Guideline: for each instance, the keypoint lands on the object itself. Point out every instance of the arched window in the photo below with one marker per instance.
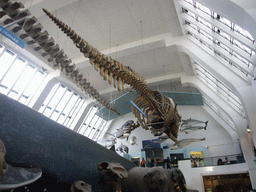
(63, 105)
(19, 79)
(92, 125)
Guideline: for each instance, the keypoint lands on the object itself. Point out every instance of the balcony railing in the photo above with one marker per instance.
(217, 160)
(204, 162)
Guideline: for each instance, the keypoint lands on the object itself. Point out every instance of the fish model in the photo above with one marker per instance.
(123, 148)
(133, 141)
(193, 128)
(125, 130)
(185, 142)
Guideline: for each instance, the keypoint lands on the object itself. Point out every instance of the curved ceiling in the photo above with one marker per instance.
(145, 35)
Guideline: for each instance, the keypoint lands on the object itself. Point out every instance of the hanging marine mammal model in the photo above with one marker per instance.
(122, 148)
(125, 130)
(153, 110)
(191, 125)
(184, 142)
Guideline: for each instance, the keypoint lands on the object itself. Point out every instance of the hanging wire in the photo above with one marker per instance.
(142, 45)
(157, 86)
(31, 2)
(165, 79)
(73, 20)
(132, 17)
(110, 37)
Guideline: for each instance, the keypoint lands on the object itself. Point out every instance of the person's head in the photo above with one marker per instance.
(142, 158)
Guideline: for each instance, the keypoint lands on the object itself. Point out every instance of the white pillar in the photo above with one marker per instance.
(247, 148)
(249, 103)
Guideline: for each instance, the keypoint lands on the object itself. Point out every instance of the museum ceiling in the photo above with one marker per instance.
(138, 34)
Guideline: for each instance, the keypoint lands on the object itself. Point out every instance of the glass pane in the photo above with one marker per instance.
(225, 21)
(6, 61)
(1, 49)
(205, 23)
(14, 95)
(82, 129)
(33, 85)
(72, 109)
(61, 119)
(14, 73)
(25, 78)
(55, 115)
(192, 25)
(189, 1)
(74, 112)
(70, 104)
(243, 32)
(23, 99)
(57, 96)
(64, 100)
(55, 87)
(243, 47)
(203, 8)
(206, 35)
(90, 116)
(47, 112)
(84, 124)
(191, 14)
(98, 123)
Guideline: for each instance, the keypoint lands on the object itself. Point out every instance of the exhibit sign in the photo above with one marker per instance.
(12, 37)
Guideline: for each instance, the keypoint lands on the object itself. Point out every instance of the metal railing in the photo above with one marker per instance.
(217, 160)
(204, 162)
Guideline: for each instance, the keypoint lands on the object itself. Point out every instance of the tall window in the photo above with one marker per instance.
(92, 125)
(19, 79)
(63, 106)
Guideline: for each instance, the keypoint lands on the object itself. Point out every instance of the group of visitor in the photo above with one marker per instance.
(158, 161)
(221, 162)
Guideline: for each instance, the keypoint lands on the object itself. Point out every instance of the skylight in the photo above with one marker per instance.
(237, 52)
(222, 114)
(222, 19)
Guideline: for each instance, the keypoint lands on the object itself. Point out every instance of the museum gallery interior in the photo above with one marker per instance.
(91, 88)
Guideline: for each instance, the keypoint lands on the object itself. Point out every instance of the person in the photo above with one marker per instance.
(194, 163)
(152, 163)
(143, 162)
(159, 161)
(219, 162)
(167, 161)
(226, 160)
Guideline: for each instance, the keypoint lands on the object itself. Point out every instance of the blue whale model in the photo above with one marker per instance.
(33, 139)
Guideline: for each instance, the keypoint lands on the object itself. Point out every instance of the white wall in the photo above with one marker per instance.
(217, 138)
(194, 176)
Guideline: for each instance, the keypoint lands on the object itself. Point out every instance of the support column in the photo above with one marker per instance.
(249, 103)
(247, 148)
